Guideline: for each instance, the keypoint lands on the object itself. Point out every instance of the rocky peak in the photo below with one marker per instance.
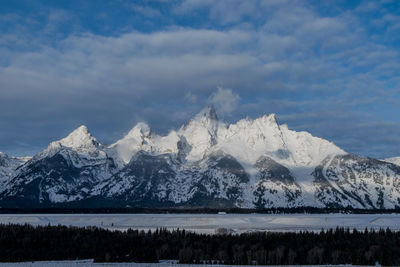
(140, 130)
(205, 117)
(79, 138)
(208, 113)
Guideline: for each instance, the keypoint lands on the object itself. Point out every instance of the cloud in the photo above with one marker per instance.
(190, 97)
(146, 11)
(224, 100)
(280, 57)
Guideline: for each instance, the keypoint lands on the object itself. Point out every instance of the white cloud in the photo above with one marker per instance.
(224, 100)
(190, 97)
(288, 50)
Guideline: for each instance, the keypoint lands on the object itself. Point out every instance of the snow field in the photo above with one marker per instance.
(209, 223)
(87, 263)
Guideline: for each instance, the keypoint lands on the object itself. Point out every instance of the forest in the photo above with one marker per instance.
(334, 246)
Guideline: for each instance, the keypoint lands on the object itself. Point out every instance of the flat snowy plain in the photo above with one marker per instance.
(87, 263)
(208, 223)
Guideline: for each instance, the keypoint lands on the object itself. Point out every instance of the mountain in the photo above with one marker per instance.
(394, 160)
(206, 163)
(351, 180)
(8, 166)
(66, 171)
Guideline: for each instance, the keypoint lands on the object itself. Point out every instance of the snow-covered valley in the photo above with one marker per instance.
(89, 263)
(209, 223)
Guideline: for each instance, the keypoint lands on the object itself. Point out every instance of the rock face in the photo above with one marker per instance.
(275, 185)
(351, 180)
(8, 166)
(206, 163)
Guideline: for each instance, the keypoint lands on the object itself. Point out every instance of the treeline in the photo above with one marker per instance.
(309, 210)
(340, 246)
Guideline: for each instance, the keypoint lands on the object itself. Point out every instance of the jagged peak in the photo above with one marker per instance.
(270, 118)
(267, 119)
(207, 113)
(141, 129)
(81, 130)
(207, 118)
(134, 138)
(80, 137)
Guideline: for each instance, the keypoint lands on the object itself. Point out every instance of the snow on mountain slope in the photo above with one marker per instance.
(191, 142)
(247, 141)
(394, 160)
(140, 138)
(201, 133)
(275, 185)
(8, 166)
(280, 163)
(65, 171)
(360, 182)
(80, 141)
(162, 180)
(251, 163)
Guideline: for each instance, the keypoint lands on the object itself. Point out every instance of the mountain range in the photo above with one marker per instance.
(206, 163)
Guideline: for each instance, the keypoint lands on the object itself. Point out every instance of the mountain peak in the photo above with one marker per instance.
(134, 141)
(207, 113)
(80, 137)
(271, 118)
(140, 129)
(81, 130)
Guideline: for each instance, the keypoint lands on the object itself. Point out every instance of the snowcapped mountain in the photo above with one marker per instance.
(8, 166)
(394, 160)
(206, 163)
(66, 171)
(351, 180)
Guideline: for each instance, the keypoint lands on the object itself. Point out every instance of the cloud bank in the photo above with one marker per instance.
(330, 69)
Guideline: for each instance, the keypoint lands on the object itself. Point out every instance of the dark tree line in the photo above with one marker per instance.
(340, 246)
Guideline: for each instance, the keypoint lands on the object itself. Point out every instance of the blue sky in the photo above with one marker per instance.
(331, 68)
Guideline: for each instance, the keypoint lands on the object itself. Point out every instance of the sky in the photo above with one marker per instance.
(331, 68)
